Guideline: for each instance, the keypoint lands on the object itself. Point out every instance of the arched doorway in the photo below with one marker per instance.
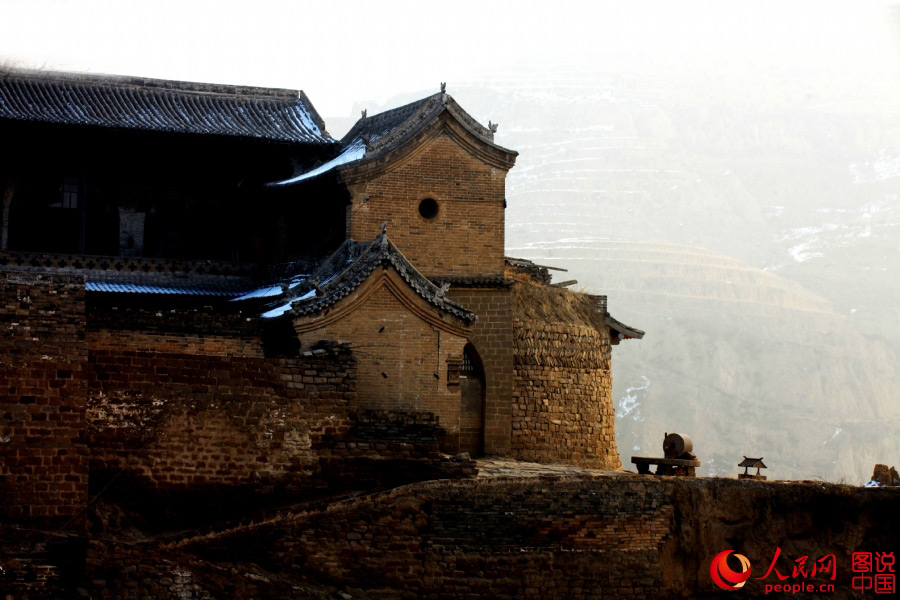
(471, 414)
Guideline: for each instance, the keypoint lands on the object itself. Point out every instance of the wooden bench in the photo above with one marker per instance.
(666, 466)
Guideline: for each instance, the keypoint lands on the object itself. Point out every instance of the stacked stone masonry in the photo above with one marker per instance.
(562, 399)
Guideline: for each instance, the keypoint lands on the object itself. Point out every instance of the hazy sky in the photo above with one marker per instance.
(341, 52)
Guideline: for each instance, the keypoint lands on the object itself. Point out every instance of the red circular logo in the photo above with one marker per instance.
(724, 577)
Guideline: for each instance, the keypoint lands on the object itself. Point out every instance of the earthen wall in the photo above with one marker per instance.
(624, 537)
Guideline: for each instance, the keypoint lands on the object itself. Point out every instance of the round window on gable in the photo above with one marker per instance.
(428, 208)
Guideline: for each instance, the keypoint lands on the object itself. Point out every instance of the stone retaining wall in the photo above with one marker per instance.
(624, 537)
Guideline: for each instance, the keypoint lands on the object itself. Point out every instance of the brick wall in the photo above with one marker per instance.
(562, 409)
(188, 320)
(466, 237)
(624, 537)
(43, 461)
(537, 538)
(562, 401)
(492, 337)
(177, 343)
(173, 420)
(186, 422)
(403, 360)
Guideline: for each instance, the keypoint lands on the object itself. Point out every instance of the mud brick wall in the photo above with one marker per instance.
(466, 238)
(43, 460)
(562, 399)
(492, 337)
(174, 420)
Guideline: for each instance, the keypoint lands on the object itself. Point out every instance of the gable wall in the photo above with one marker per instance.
(402, 359)
(467, 236)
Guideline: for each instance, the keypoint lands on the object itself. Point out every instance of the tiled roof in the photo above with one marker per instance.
(132, 288)
(623, 329)
(158, 105)
(375, 136)
(475, 281)
(346, 270)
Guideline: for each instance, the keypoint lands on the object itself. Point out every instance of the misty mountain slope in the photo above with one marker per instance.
(745, 362)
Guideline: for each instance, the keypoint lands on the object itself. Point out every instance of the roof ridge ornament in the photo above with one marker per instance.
(384, 228)
(493, 126)
(443, 87)
(364, 113)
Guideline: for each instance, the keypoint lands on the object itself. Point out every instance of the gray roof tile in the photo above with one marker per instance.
(157, 105)
(346, 270)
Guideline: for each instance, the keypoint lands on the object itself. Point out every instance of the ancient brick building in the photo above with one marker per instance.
(202, 288)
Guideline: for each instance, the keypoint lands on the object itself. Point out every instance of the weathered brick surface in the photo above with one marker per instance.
(562, 408)
(403, 359)
(176, 343)
(627, 537)
(185, 326)
(558, 538)
(466, 237)
(43, 461)
(562, 401)
(492, 337)
(176, 423)
(178, 419)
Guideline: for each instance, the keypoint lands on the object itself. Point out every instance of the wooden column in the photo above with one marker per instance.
(9, 188)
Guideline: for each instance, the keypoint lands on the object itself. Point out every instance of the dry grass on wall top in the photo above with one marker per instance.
(562, 405)
(544, 304)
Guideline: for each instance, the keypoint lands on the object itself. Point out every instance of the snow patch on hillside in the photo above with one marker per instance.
(836, 433)
(629, 404)
(884, 167)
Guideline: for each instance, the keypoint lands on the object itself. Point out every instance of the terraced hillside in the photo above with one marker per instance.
(743, 360)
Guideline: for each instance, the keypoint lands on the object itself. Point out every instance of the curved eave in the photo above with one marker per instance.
(381, 253)
(390, 157)
(398, 285)
(623, 331)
